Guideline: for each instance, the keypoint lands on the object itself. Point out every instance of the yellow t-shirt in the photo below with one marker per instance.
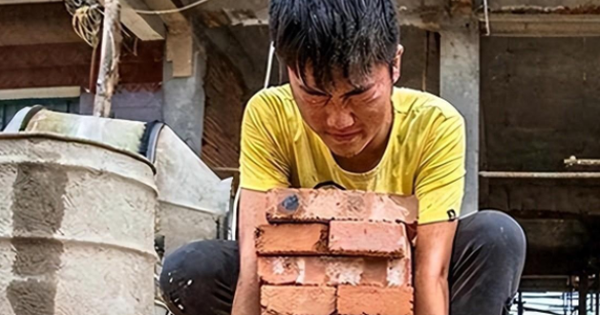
(425, 155)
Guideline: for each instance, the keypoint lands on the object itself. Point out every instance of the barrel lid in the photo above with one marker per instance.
(59, 137)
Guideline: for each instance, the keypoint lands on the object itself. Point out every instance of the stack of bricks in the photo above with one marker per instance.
(330, 252)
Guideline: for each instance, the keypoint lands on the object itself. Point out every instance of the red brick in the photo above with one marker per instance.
(297, 300)
(292, 239)
(369, 300)
(334, 271)
(368, 238)
(323, 205)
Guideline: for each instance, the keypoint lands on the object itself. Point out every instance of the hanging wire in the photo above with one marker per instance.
(269, 65)
(487, 17)
(232, 232)
(87, 19)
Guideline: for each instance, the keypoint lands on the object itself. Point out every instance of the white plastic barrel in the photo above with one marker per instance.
(76, 228)
(193, 200)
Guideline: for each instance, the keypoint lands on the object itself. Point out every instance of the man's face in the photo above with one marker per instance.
(348, 117)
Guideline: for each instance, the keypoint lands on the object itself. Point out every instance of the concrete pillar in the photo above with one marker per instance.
(459, 84)
(184, 100)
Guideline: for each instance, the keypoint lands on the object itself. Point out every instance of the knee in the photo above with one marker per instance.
(499, 232)
(187, 272)
(187, 262)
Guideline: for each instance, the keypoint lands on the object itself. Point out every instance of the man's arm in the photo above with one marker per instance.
(252, 214)
(432, 261)
(263, 166)
(440, 189)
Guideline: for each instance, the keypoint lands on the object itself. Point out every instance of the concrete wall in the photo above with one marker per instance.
(539, 101)
(539, 105)
(421, 60)
(184, 98)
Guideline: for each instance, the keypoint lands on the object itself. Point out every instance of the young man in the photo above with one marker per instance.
(342, 123)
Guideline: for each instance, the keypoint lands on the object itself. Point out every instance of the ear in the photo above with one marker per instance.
(397, 63)
(294, 76)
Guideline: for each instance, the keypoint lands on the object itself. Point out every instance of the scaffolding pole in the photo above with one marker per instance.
(583, 292)
(598, 294)
(108, 76)
(540, 175)
(520, 309)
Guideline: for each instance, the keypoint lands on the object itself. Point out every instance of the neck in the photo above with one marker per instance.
(370, 157)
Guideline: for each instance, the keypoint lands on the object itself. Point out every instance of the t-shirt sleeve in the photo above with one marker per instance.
(263, 165)
(440, 180)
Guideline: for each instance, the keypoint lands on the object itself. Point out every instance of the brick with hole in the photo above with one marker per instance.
(323, 205)
(368, 238)
(298, 300)
(370, 300)
(334, 271)
(292, 239)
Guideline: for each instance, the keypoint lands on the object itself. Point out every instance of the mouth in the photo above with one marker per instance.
(344, 137)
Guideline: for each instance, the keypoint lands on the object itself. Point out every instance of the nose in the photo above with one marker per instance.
(339, 117)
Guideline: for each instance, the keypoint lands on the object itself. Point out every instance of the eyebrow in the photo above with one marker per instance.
(312, 91)
(359, 89)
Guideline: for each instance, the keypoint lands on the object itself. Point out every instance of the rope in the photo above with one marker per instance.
(176, 10)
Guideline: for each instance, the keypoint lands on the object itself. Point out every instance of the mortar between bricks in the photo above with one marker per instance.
(322, 206)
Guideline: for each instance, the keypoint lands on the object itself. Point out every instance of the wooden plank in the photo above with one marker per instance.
(30, 24)
(145, 27)
(108, 76)
(179, 38)
(543, 25)
(3, 2)
(52, 92)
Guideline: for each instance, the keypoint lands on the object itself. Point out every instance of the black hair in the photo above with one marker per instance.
(350, 36)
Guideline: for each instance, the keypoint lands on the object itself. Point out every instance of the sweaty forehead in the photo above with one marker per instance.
(339, 82)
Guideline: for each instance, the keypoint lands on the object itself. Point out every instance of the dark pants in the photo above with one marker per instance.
(487, 261)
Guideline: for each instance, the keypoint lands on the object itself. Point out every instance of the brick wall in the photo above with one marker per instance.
(336, 252)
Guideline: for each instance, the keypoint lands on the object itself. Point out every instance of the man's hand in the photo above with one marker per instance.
(252, 214)
(432, 260)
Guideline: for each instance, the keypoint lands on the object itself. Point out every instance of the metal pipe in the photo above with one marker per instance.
(540, 175)
(227, 169)
(573, 161)
(520, 310)
(598, 294)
